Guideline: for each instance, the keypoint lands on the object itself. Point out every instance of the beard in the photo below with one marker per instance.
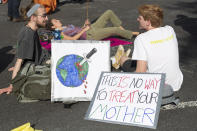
(41, 24)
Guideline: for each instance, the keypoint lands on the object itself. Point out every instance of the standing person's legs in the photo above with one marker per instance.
(15, 9)
(101, 33)
(10, 9)
(105, 18)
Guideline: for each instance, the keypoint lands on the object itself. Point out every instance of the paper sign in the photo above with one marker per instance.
(76, 67)
(127, 98)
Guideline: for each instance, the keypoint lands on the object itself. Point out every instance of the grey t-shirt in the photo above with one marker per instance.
(28, 46)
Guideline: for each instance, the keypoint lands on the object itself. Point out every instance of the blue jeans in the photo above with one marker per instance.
(13, 6)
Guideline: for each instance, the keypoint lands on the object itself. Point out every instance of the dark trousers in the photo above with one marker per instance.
(13, 7)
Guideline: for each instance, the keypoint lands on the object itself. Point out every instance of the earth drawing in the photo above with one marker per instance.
(69, 72)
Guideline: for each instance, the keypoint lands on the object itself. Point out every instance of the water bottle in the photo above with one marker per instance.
(57, 34)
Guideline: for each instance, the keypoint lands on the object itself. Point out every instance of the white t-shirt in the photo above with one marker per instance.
(159, 48)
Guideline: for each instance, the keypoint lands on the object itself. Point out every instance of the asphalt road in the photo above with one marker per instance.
(180, 14)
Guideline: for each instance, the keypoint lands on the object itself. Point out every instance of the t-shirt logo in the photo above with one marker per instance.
(162, 40)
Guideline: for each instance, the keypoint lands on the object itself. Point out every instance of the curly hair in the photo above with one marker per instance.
(153, 13)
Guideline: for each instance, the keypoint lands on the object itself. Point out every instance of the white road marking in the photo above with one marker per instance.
(181, 105)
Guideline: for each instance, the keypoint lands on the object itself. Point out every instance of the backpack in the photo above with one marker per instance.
(32, 83)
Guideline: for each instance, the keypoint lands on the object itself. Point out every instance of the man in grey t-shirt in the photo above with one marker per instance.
(29, 48)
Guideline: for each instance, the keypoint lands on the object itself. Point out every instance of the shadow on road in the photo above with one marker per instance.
(188, 24)
(7, 54)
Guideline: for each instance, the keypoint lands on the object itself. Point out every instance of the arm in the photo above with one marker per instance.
(141, 66)
(17, 67)
(75, 37)
(15, 71)
(87, 23)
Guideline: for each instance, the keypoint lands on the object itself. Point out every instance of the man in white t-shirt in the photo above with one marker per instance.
(156, 51)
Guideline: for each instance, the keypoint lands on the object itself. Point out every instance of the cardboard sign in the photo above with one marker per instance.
(76, 67)
(127, 98)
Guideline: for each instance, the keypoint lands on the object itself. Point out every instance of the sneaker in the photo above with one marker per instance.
(116, 58)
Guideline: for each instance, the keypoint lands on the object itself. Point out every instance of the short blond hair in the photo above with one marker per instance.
(153, 13)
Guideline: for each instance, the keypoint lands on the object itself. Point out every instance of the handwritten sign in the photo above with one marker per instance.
(127, 98)
(76, 68)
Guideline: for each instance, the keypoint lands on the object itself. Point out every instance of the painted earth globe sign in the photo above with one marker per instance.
(69, 71)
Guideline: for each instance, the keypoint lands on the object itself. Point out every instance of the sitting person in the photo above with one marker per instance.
(29, 53)
(96, 31)
(156, 51)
